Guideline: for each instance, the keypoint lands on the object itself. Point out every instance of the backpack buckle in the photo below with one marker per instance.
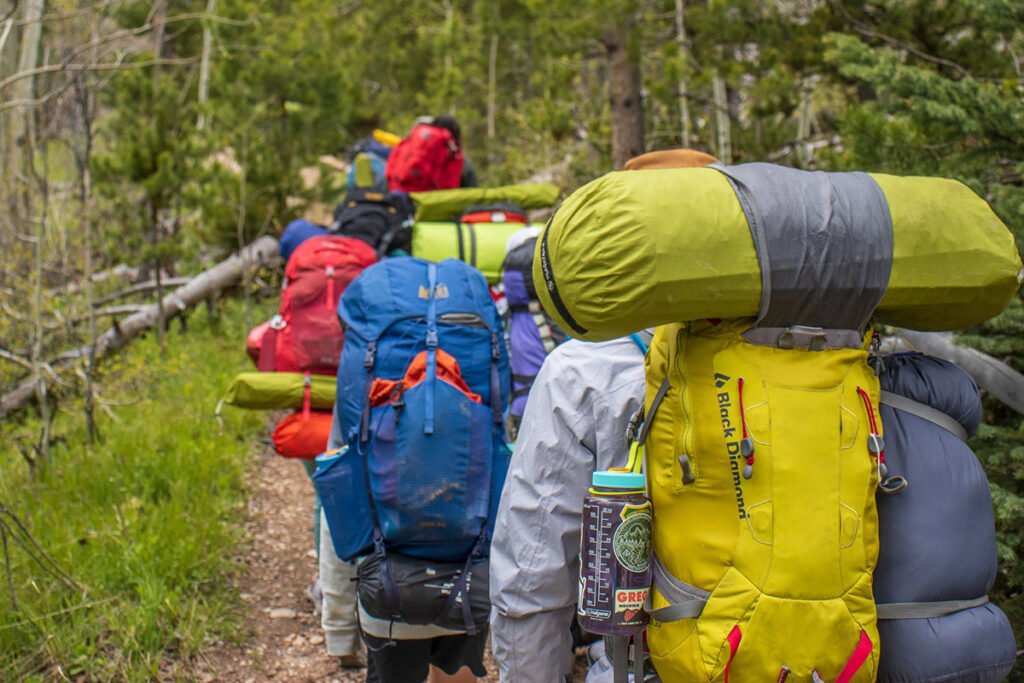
(802, 336)
(431, 338)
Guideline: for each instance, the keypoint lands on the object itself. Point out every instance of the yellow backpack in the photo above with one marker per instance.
(762, 467)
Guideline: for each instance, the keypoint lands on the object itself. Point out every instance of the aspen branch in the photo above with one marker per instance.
(111, 310)
(16, 359)
(141, 288)
(102, 66)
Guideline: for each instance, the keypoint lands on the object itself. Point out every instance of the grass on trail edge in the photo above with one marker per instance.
(147, 520)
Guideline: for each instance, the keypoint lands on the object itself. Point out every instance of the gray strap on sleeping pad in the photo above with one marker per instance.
(926, 610)
(684, 601)
(819, 237)
(925, 412)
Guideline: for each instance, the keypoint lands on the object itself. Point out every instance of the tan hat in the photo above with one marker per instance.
(682, 157)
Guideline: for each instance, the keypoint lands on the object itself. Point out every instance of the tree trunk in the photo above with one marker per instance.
(492, 87)
(38, 377)
(806, 115)
(204, 65)
(9, 36)
(624, 83)
(723, 133)
(684, 95)
(28, 58)
(246, 286)
(225, 274)
(85, 180)
(154, 217)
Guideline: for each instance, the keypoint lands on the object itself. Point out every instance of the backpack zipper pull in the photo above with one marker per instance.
(747, 444)
(331, 303)
(876, 444)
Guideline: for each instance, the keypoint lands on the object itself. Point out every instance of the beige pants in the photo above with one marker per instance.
(341, 627)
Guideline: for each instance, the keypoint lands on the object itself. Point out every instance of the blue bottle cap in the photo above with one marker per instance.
(325, 460)
(613, 479)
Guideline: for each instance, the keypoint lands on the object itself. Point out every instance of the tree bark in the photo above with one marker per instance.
(492, 87)
(204, 65)
(684, 94)
(38, 376)
(9, 36)
(225, 274)
(28, 59)
(625, 100)
(723, 132)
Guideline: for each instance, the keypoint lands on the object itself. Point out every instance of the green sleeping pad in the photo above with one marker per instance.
(447, 205)
(271, 390)
(636, 249)
(479, 244)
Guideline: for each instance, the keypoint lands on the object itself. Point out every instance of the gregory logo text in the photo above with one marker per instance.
(440, 291)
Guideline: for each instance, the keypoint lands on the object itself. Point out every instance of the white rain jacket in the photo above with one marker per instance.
(575, 423)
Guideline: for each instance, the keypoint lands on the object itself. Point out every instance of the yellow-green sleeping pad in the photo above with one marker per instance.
(270, 390)
(482, 244)
(635, 249)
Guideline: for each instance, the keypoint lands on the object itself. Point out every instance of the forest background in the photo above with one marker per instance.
(159, 136)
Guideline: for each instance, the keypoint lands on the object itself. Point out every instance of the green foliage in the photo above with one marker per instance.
(146, 519)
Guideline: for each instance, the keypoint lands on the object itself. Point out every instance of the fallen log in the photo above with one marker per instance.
(225, 274)
(990, 374)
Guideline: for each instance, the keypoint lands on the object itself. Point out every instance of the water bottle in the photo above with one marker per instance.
(615, 554)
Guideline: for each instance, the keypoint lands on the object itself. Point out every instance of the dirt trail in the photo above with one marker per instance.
(285, 642)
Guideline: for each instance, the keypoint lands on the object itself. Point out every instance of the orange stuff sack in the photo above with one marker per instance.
(295, 437)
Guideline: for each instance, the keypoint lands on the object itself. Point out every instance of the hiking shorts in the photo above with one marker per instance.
(408, 661)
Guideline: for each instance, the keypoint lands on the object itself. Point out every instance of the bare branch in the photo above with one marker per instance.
(8, 25)
(112, 310)
(140, 288)
(16, 359)
(103, 66)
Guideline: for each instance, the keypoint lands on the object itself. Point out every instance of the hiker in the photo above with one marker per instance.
(575, 423)
(437, 391)
(468, 178)
(430, 158)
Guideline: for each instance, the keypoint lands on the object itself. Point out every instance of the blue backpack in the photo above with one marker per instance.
(426, 459)
(376, 154)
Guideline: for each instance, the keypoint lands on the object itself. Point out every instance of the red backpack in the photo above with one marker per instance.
(306, 336)
(429, 159)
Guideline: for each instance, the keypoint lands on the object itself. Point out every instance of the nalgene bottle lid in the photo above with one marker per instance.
(612, 479)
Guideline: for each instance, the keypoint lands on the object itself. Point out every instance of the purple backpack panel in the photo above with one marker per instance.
(532, 333)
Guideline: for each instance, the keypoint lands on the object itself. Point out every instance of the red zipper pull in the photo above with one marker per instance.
(876, 444)
(747, 444)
